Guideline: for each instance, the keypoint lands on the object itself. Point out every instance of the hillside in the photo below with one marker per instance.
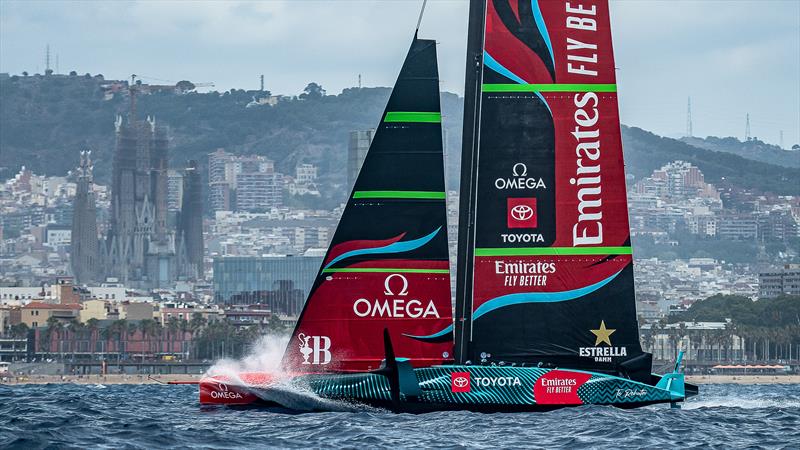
(752, 149)
(645, 151)
(45, 121)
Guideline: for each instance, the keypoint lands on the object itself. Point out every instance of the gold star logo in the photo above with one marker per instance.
(603, 334)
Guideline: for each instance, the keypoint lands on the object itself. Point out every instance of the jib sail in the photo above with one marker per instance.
(387, 266)
(545, 269)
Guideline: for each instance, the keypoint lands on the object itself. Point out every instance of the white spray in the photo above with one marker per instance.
(265, 356)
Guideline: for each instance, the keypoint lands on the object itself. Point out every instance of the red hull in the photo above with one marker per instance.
(226, 390)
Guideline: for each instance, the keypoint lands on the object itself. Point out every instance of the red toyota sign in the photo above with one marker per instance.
(522, 213)
(459, 381)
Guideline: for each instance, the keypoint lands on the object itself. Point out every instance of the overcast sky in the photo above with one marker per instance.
(731, 57)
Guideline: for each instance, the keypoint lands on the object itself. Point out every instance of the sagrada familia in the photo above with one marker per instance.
(145, 247)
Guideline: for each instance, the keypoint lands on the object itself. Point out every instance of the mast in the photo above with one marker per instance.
(469, 171)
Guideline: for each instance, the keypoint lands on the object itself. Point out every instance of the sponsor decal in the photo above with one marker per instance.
(223, 392)
(519, 180)
(459, 382)
(316, 350)
(463, 382)
(603, 354)
(589, 227)
(522, 273)
(631, 393)
(559, 387)
(521, 213)
(398, 307)
(581, 56)
(387, 284)
(525, 238)
(497, 381)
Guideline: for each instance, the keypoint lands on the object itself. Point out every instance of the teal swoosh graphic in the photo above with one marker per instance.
(538, 297)
(444, 332)
(521, 298)
(396, 247)
(495, 65)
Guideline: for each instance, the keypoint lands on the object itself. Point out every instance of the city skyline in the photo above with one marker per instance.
(715, 55)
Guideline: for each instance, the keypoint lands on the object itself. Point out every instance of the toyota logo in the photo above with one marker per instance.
(522, 212)
(460, 382)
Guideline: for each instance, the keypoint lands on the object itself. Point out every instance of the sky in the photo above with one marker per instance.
(731, 57)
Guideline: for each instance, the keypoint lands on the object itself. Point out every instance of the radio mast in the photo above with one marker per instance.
(747, 128)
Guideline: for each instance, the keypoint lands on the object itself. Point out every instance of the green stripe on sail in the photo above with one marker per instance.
(410, 116)
(400, 194)
(552, 251)
(383, 270)
(554, 87)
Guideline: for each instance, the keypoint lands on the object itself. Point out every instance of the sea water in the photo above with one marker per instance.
(158, 416)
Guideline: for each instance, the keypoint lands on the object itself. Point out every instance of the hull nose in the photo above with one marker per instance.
(225, 390)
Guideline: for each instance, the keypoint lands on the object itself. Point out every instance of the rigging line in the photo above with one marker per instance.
(421, 12)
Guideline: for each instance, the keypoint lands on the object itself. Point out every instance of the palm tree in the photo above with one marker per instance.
(92, 325)
(76, 328)
(148, 329)
(54, 327)
(159, 332)
(173, 325)
(118, 329)
(18, 331)
(197, 323)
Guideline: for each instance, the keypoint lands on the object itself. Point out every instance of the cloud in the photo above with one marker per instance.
(719, 52)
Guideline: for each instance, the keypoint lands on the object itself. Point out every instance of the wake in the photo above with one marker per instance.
(741, 402)
(265, 357)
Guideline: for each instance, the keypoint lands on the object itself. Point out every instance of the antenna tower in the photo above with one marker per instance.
(689, 118)
(359, 81)
(747, 128)
(780, 142)
(47, 58)
(262, 82)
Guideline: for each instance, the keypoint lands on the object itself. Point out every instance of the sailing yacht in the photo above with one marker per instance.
(544, 312)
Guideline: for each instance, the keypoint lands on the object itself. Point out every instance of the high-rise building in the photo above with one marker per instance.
(190, 225)
(306, 174)
(785, 280)
(219, 189)
(243, 183)
(216, 165)
(85, 247)
(258, 191)
(356, 152)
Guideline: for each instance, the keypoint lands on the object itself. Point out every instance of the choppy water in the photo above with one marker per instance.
(157, 416)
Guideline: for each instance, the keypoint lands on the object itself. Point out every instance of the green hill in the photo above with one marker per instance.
(645, 151)
(751, 149)
(46, 120)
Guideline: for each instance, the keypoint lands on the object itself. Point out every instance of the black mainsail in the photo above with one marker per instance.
(545, 270)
